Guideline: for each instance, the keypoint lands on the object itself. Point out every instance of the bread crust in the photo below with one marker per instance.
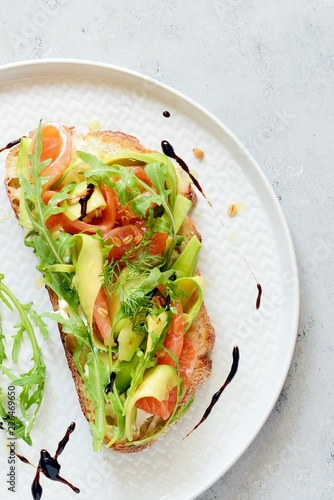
(12, 183)
(109, 143)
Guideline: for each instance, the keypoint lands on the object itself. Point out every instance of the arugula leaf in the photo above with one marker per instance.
(126, 186)
(161, 225)
(94, 385)
(128, 189)
(3, 355)
(95, 378)
(157, 173)
(73, 325)
(18, 337)
(117, 406)
(15, 421)
(37, 318)
(49, 250)
(32, 382)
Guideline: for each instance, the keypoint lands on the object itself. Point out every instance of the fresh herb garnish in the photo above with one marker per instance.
(52, 251)
(127, 187)
(143, 283)
(95, 377)
(137, 260)
(49, 250)
(31, 383)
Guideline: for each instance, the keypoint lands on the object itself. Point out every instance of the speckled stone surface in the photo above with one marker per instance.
(265, 69)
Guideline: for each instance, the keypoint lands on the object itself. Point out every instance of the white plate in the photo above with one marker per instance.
(256, 241)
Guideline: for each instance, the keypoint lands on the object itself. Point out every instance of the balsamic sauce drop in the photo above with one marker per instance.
(258, 286)
(110, 384)
(166, 114)
(216, 396)
(10, 144)
(63, 442)
(36, 487)
(168, 150)
(259, 295)
(167, 306)
(23, 459)
(83, 201)
(50, 466)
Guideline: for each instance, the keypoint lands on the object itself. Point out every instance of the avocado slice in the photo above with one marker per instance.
(128, 341)
(72, 206)
(88, 264)
(157, 382)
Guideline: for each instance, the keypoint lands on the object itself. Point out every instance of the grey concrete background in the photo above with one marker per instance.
(266, 69)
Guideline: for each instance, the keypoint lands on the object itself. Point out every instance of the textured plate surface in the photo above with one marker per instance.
(237, 252)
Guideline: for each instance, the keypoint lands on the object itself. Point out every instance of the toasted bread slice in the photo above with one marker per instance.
(106, 144)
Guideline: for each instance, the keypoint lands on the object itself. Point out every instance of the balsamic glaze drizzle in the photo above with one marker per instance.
(10, 144)
(49, 466)
(84, 200)
(110, 384)
(259, 295)
(23, 459)
(216, 396)
(36, 487)
(168, 150)
(258, 286)
(63, 442)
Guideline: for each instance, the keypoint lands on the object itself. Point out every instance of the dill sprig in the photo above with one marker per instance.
(137, 259)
